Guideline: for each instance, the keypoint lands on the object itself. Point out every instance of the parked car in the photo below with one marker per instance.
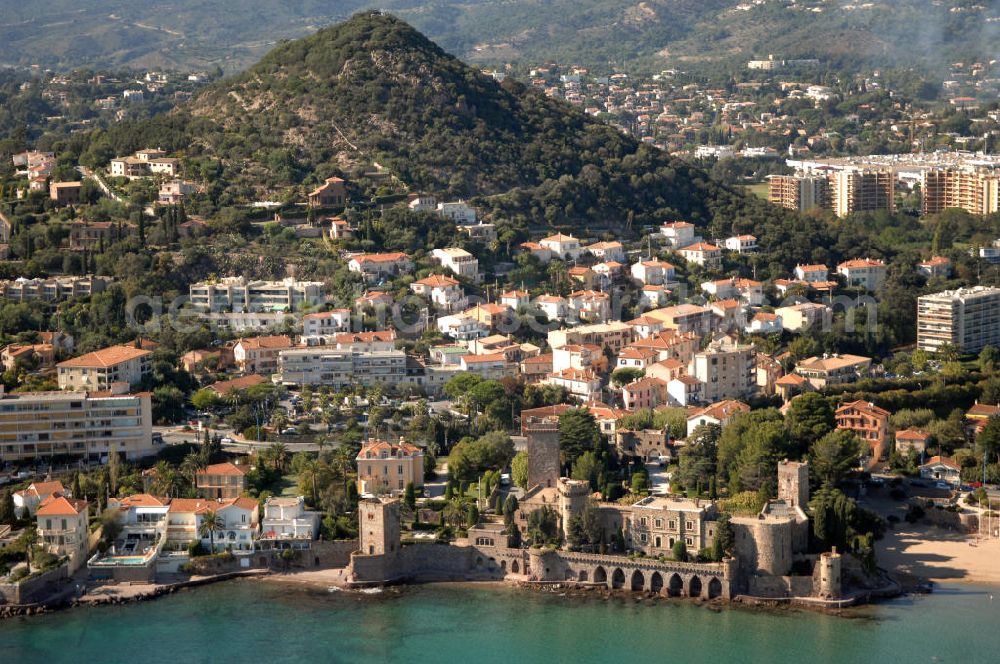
(227, 441)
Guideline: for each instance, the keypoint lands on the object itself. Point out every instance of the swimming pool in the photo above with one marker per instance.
(120, 560)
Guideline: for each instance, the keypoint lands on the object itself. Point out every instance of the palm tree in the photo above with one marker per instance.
(210, 522)
(190, 466)
(343, 463)
(308, 473)
(278, 453)
(166, 482)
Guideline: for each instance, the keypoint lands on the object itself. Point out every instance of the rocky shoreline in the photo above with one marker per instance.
(565, 589)
(154, 591)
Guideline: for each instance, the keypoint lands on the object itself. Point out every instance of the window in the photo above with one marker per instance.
(659, 523)
(642, 538)
(642, 521)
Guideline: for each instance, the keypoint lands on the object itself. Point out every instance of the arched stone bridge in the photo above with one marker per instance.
(674, 579)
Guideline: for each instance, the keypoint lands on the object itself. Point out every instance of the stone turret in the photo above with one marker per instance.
(543, 454)
(573, 495)
(793, 483)
(827, 585)
(378, 524)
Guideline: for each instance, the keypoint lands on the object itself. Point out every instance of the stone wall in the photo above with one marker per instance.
(764, 546)
(35, 589)
(336, 553)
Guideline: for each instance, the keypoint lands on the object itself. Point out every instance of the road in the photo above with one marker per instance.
(178, 435)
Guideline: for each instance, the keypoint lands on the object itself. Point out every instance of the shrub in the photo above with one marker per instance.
(914, 513)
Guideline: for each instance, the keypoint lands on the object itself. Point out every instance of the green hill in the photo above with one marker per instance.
(373, 89)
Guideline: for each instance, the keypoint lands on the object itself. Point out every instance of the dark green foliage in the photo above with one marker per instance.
(470, 457)
(543, 526)
(725, 538)
(838, 521)
(834, 456)
(6, 507)
(585, 531)
(578, 433)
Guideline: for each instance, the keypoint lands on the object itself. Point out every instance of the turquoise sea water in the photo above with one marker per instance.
(250, 621)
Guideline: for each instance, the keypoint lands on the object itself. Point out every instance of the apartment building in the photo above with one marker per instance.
(588, 306)
(323, 323)
(144, 163)
(975, 190)
(101, 369)
(833, 369)
(459, 261)
(704, 254)
(288, 519)
(869, 422)
(720, 413)
(221, 480)
(865, 273)
(966, 318)
(259, 355)
(799, 192)
(376, 266)
(861, 190)
(685, 318)
(805, 316)
(444, 293)
(53, 289)
(238, 294)
(726, 371)
(65, 193)
(935, 266)
(614, 336)
(653, 272)
(562, 246)
(385, 467)
(459, 212)
(81, 425)
(62, 525)
(678, 233)
(741, 244)
(340, 367)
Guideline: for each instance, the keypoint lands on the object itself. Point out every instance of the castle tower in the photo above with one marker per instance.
(378, 526)
(793, 483)
(543, 455)
(573, 496)
(829, 575)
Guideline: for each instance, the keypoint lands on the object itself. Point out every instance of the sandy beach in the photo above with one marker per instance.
(927, 552)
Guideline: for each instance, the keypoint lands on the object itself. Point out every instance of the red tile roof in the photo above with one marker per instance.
(106, 357)
(225, 468)
(60, 505)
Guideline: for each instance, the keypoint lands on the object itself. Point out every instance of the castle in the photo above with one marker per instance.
(769, 556)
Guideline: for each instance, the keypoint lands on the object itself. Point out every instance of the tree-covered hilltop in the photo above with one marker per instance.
(373, 89)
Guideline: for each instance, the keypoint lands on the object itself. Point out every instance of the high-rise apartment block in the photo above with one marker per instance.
(799, 192)
(967, 319)
(977, 191)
